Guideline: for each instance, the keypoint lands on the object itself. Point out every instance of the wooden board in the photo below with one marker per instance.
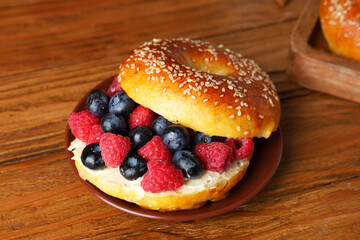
(312, 65)
(52, 52)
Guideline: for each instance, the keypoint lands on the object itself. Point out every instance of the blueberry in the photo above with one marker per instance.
(114, 124)
(188, 163)
(133, 167)
(200, 137)
(176, 138)
(159, 124)
(139, 136)
(91, 156)
(121, 104)
(97, 103)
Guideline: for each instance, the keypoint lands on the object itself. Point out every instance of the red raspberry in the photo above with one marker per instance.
(80, 124)
(242, 147)
(155, 149)
(114, 87)
(232, 156)
(162, 176)
(140, 116)
(114, 149)
(231, 143)
(95, 134)
(213, 155)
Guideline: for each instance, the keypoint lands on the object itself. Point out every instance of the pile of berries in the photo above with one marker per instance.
(119, 133)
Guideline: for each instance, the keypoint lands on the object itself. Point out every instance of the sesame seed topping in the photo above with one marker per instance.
(157, 59)
(246, 133)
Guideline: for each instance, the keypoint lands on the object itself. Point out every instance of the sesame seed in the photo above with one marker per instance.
(232, 116)
(238, 128)
(246, 133)
(156, 59)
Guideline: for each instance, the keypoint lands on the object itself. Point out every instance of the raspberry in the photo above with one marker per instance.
(95, 134)
(231, 143)
(80, 124)
(242, 147)
(162, 176)
(155, 149)
(114, 87)
(232, 156)
(213, 155)
(114, 149)
(140, 116)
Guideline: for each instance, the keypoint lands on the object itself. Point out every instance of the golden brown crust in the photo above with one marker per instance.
(340, 22)
(209, 89)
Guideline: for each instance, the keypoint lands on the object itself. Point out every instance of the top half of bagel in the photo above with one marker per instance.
(207, 88)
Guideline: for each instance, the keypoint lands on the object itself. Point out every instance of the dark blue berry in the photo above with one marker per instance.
(188, 163)
(91, 156)
(97, 103)
(139, 136)
(176, 138)
(133, 167)
(121, 104)
(114, 124)
(200, 137)
(159, 124)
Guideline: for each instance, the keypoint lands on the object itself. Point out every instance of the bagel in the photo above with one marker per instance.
(340, 22)
(209, 89)
(199, 86)
(212, 186)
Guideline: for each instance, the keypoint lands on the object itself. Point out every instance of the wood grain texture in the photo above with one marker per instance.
(53, 52)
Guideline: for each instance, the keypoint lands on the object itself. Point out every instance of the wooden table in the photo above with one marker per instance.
(53, 52)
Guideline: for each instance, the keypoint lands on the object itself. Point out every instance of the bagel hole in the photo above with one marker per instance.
(212, 67)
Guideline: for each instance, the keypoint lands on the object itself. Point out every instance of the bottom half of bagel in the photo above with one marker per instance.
(212, 186)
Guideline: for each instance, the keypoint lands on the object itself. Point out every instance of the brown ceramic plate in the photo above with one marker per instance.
(262, 166)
